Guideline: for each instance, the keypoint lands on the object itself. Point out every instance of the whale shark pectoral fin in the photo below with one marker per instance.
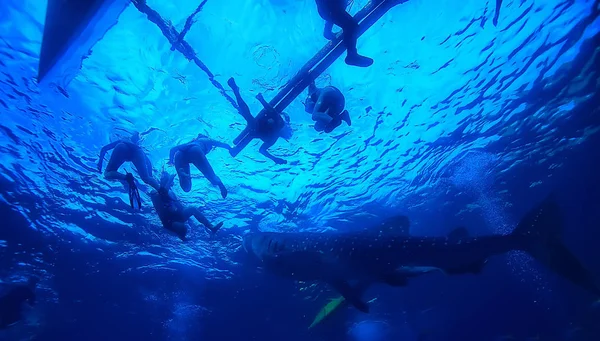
(352, 295)
(473, 268)
(395, 279)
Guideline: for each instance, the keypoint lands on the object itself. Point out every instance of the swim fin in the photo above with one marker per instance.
(134, 193)
(358, 60)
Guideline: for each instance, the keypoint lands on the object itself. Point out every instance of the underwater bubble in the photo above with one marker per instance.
(473, 171)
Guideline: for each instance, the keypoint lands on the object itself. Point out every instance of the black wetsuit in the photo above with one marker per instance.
(11, 304)
(265, 129)
(335, 11)
(335, 101)
(171, 210)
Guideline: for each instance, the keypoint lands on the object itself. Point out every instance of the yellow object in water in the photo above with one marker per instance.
(327, 310)
(330, 308)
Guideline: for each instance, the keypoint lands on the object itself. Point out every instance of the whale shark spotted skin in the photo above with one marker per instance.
(340, 258)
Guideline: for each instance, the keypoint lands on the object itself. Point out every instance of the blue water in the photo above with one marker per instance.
(458, 122)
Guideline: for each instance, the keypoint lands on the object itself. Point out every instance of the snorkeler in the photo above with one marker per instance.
(326, 105)
(195, 152)
(497, 13)
(334, 12)
(128, 151)
(11, 304)
(267, 125)
(171, 212)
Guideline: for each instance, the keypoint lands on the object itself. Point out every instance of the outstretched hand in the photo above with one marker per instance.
(280, 161)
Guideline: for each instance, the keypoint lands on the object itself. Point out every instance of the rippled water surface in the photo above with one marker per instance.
(446, 86)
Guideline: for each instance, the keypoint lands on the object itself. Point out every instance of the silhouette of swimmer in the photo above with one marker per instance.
(334, 12)
(11, 304)
(268, 126)
(128, 151)
(194, 153)
(171, 211)
(326, 105)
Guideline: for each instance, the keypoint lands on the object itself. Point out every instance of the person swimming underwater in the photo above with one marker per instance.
(171, 211)
(268, 126)
(326, 105)
(11, 304)
(195, 152)
(334, 12)
(128, 151)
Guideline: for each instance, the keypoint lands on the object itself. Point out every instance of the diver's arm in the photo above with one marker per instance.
(103, 152)
(263, 150)
(219, 144)
(264, 103)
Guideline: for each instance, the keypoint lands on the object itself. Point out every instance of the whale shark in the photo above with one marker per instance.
(340, 258)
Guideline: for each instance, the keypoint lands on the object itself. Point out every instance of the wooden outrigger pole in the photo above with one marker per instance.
(366, 17)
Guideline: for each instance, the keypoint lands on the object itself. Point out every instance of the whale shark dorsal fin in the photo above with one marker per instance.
(458, 233)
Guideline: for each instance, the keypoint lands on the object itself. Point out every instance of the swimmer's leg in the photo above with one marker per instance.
(320, 126)
(180, 229)
(332, 125)
(149, 165)
(201, 162)
(345, 116)
(328, 31)
(321, 111)
(264, 151)
(196, 213)
(243, 110)
(183, 171)
(322, 117)
(117, 158)
(350, 27)
(141, 163)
